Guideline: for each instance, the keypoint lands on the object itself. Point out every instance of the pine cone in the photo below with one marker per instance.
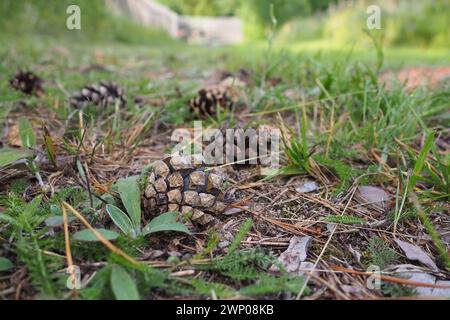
(242, 147)
(177, 184)
(105, 94)
(238, 146)
(28, 83)
(209, 100)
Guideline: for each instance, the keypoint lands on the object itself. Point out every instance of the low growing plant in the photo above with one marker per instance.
(130, 222)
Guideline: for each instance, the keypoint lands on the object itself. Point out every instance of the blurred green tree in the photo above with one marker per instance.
(202, 7)
(20, 18)
(255, 13)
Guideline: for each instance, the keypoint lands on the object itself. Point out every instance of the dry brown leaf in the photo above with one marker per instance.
(374, 195)
(293, 259)
(415, 253)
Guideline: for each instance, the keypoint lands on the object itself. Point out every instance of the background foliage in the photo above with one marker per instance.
(412, 23)
(48, 18)
(405, 23)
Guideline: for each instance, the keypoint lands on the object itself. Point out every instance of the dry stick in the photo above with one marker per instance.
(391, 279)
(88, 184)
(99, 236)
(330, 286)
(52, 254)
(67, 239)
(70, 269)
(289, 227)
(323, 250)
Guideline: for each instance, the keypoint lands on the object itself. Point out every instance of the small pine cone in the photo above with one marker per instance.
(211, 100)
(28, 83)
(177, 183)
(104, 94)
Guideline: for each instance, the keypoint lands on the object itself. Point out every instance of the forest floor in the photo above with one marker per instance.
(362, 192)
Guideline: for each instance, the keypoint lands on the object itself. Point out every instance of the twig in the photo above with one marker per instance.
(324, 248)
(286, 226)
(70, 268)
(100, 237)
(391, 279)
(88, 184)
(330, 286)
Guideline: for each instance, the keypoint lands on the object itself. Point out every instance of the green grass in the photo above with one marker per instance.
(396, 57)
(343, 117)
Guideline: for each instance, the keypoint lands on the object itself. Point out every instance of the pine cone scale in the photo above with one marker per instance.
(175, 184)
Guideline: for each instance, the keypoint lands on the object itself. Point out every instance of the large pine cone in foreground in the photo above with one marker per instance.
(104, 94)
(28, 83)
(178, 184)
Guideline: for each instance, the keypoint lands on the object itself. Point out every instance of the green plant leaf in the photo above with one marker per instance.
(26, 133)
(165, 222)
(8, 219)
(420, 161)
(30, 209)
(82, 172)
(49, 146)
(9, 156)
(123, 286)
(121, 220)
(344, 219)
(5, 264)
(169, 227)
(268, 284)
(87, 235)
(57, 221)
(131, 198)
(244, 229)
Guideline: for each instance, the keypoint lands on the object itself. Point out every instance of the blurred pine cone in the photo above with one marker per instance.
(211, 100)
(105, 94)
(28, 83)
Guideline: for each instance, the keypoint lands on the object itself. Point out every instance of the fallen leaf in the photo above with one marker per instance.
(356, 254)
(295, 255)
(441, 292)
(307, 186)
(415, 253)
(374, 195)
(413, 273)
(305, 267)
